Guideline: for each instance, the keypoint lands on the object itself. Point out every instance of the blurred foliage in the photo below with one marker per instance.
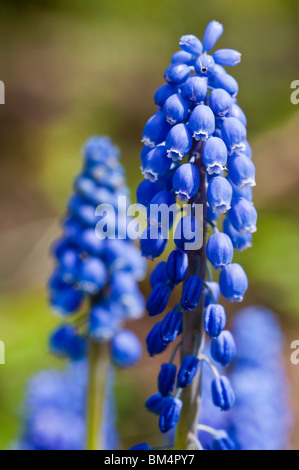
(73, 69)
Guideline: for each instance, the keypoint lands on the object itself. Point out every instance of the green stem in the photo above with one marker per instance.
(98, 364)
(193, 326)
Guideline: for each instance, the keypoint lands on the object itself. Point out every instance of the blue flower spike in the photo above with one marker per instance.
(210, 176)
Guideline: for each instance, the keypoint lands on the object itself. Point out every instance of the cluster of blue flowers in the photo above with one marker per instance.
(260, 418)
(196, 151)
(95, 279)
(54, 411)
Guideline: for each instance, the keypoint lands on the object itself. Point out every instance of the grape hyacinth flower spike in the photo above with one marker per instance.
(94, 287)
(196, 151)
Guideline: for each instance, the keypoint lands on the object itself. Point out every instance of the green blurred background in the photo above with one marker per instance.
(77, 68)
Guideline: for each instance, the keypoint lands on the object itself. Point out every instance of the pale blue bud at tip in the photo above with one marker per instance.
(223, 349)
(202, 122)
(213, 32)
(204, 65)
(178, 142)
(214, 320)
(183, 57)
(233, 283)
(186, 181)
(214, 155)
(191, 44)
(220, 250)
(219, 194)
(227, 57)
(222, 393)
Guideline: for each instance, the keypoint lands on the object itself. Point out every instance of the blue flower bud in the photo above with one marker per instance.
(187, 231)
(183, 57)
(125, 348)
(178, 142)
(191, 44)
(247, 151)
(170, 414)
(223, 349)
(219, 195)
(220, 102)
(164, 92)
(241, 171)
(147, 190)
(214, 155)
(166, 379)
(142, 446)
(243, 216)
(72, 228)
(214, 320)
(204, 65)
(92, 275)
(177, 266)
(220, 250)
(155, 403)
(222, 393)
(156, 164)
(223, 442)
(69, 265)
(162, 198)
(186, 181)
(171, 326)
(65, 341)
(191, 293)
(246, 192)
(158, 299)
(224, 81)
(227, 57)
(202, 122)
(152, 248)
(83, 210)
(159, 274)
(100, 149)
(188, 371)
(212, 33)
(177, 73)
(233, 283)
(102, 324)
(236, 112)
(89, 243)
(234, 134)
(66, 300)
(156, 130)
(176, 109)
(154, 342)
(212, 293)
(195, 89)
(240, 241)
